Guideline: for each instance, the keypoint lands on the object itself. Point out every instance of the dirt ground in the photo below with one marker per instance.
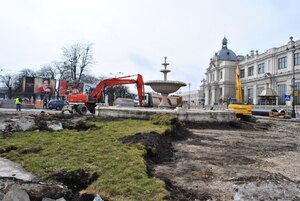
(251, 161)
(236, 161)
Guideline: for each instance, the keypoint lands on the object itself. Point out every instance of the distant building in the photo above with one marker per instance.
(195, 97)
(271, 70)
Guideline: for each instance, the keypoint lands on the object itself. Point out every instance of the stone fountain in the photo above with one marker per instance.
(165, 87)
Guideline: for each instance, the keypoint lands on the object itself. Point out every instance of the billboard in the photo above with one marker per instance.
(28, 84)
(44, 86)
(67, 87)
(38, 85)
(62, 87)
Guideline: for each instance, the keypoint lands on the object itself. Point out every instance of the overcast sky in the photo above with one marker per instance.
(134, 36)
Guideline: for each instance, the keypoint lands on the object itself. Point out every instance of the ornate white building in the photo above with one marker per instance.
(273, 69)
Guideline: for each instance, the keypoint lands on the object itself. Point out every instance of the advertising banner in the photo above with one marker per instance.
(74, 87)
(67, 87)
(44, 86)
(28, 84)
(62, 87)
(38, 85)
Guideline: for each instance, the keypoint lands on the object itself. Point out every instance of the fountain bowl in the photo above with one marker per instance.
(165, 87)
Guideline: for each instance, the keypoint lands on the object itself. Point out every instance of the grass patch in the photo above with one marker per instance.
(121, 168)
(163, 119)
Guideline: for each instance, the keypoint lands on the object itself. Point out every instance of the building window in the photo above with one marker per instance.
(281, 89)
(242, 73)
(297, 59)
(282, 63)
(297, 98)
(212, 77)
(261, 68)
(251, 71)
(258, 92)
(243, 95)
(250, 95)
(221, 75)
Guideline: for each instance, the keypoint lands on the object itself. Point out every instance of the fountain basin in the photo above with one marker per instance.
(165, 87)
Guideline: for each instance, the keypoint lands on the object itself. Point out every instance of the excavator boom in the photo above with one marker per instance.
(98, 91)
(81, 103)
(241, 110)
(238, 85)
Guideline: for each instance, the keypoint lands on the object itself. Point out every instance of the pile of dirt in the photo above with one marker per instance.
(159, 146)
(233, 125)
(75, 180)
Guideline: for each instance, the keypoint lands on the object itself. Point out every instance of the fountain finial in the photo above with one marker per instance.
(165, 70)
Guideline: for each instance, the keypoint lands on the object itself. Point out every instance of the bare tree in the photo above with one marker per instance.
(77, 58)
(9, 81)
(90, 79)
(47, 71)
(26, 72)
(61, 69)
(114, 92)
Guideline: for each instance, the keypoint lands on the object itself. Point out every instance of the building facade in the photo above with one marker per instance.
(192, 99)
(273, 69)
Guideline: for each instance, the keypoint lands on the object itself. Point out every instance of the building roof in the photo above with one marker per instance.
(268, 93)
(225, 54)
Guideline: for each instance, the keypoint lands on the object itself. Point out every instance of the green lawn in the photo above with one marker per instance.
(121, 167)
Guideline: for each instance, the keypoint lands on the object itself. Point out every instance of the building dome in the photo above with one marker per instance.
(225, 54)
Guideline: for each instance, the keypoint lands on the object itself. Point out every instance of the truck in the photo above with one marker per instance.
(151, 99)
(242, 110)
(83, 102)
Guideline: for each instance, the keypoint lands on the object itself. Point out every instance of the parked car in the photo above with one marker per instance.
(57, 104)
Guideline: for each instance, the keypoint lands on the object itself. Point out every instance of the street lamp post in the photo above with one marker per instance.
(292, 48)
(293, 88)
(116, 74)
(203, 85)
(189, 105)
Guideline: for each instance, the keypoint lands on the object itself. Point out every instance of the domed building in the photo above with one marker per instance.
(276, 70)
(220, 76)
(225, 54)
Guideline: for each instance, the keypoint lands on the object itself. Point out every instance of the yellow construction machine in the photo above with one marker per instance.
(243, 111)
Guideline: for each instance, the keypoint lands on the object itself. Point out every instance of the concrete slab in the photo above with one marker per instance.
(193, 115)
(11, 169)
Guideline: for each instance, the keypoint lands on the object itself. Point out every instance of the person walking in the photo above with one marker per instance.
(45, 103)
(18, 103)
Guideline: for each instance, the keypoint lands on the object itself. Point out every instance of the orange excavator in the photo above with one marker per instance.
(81, 103)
